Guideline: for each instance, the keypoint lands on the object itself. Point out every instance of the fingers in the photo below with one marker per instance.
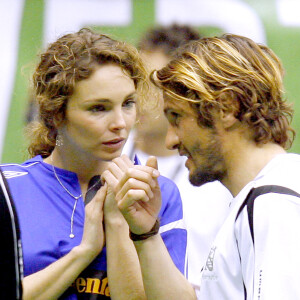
(109, 178)
(119, 165)
(152, 162)
(131, 183)
(122, 168)
(136, 184)
(132, 199)
(153, 172)
(100, 196)
(125, 159)
(116, 169)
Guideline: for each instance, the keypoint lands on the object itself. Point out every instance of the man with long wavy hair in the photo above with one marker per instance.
(224, 100)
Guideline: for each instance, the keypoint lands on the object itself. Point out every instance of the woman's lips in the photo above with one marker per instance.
(114, 144)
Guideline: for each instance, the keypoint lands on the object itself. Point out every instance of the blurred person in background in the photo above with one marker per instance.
(89, 89)
(202, 217)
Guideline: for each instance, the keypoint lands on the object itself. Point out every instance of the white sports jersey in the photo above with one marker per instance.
(266, 267)
(205, 208)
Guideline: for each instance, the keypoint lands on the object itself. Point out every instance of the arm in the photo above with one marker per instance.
(162, 279)
(54, 280)
(138, 197)
(123, 268)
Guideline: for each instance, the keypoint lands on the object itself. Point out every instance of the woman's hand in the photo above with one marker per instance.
(115, 171)
(123, 268)
(52, 281)
(93, 234)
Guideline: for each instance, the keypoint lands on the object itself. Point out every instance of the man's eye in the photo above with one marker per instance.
(174, 118)
(129, 103)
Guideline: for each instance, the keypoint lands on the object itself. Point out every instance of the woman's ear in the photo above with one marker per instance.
(58, 119)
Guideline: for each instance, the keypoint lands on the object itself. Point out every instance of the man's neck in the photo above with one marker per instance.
(247, 162)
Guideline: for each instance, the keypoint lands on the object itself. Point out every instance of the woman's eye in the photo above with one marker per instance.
(97, 108)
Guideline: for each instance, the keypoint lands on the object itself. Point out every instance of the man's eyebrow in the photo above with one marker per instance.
(131, 95)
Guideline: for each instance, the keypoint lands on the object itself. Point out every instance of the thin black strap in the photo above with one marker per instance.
(93, 187)
(249, 201)
(254, 193)
(11, 265)
(245, 291)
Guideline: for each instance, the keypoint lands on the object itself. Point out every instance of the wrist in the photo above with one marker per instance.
(84, 254)
(141, 237)
(115, 221)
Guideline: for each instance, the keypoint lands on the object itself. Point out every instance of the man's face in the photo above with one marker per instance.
(202, 146)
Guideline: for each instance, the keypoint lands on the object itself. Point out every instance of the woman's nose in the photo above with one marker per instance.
(118, 120)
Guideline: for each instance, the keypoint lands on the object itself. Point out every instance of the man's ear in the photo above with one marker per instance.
(228, 119)
(228, 113)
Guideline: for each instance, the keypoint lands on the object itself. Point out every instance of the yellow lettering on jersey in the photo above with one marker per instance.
(92, 286)
(80, 284)
(104, 285)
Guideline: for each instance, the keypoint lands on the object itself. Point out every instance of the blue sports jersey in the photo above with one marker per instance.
(45, 208)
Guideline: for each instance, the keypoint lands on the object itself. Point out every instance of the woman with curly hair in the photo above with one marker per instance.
(89, 88)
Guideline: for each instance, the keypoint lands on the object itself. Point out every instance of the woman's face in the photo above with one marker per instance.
(100, 114)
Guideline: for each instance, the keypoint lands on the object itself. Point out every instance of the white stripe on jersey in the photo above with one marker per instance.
(22, 166)
(176, 224)
(12, 174)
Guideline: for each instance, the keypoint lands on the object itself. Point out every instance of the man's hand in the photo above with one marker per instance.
(137, 191)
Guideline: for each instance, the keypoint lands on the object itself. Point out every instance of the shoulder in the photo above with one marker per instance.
(171, 206)
(167, 184)
(277, 201)
(270, 207)
(270, 196)
(169, 192)
(13, 170)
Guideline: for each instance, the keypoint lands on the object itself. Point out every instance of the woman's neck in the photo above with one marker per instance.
(79, 164)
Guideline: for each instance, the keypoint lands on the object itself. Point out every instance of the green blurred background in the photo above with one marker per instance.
(284, 40)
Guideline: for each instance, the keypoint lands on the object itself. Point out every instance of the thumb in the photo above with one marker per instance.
(152, 162)
(101, 194)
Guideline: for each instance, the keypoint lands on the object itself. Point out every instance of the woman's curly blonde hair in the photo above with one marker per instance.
(235, 74)
(70, 59)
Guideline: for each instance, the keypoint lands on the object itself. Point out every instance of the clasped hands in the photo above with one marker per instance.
(134, 190)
